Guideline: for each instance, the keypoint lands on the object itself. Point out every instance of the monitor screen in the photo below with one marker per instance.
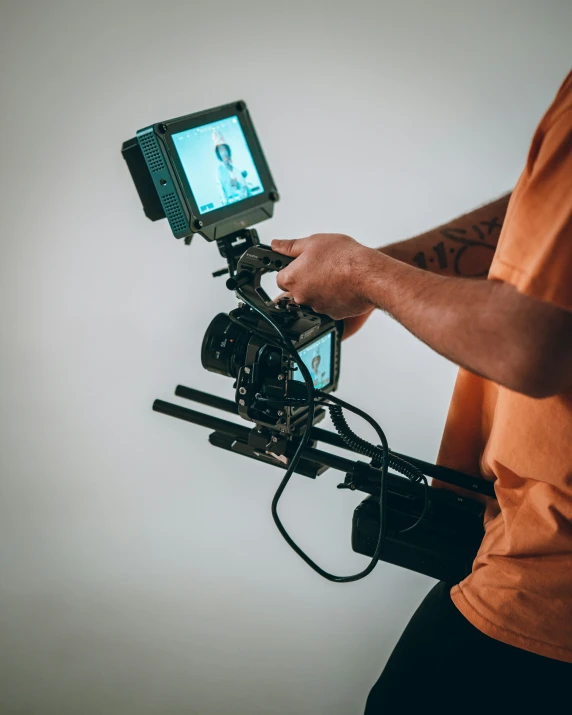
(317, 357)
(218, 164)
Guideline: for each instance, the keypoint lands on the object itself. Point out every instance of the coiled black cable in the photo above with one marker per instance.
(362, 446)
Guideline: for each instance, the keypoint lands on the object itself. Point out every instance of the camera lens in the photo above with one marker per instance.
(224, 346)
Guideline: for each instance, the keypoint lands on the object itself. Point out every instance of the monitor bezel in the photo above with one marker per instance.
(166, 130)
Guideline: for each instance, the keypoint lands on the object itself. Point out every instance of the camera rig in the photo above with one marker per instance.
(443, 544)
(285, 358)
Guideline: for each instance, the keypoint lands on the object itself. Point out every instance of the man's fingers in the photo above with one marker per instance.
(294, 247)
(290, 247)
(282, 280)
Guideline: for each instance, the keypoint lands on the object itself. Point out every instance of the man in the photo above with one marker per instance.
(504, 634)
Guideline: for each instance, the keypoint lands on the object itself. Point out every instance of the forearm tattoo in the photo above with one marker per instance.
(470, 246)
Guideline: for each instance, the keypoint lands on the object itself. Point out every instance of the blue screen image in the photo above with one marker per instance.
(318, 359)
(218, 164)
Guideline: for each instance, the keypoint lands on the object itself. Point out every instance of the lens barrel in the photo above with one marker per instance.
(224, 346)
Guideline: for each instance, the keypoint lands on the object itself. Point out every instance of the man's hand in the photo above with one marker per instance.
(330, 274)
(486, 326)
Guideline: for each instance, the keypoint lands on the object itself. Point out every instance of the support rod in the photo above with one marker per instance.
(444, 474)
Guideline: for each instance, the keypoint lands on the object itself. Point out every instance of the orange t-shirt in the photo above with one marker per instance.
(520, 588)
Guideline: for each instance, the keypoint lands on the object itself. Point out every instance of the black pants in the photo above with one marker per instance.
(444, 664)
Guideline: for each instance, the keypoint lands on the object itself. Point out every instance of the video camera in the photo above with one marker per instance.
(206, 173)
(270, 390)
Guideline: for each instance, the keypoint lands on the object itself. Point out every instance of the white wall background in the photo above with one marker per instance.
(141, 573)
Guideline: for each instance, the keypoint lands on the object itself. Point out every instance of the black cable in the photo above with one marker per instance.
(259, 333)
(362, 446)
(291, 350)
(357, 444)
(425, 506)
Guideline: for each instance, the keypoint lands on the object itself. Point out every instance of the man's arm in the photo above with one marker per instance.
(463, 247)
(486, 326)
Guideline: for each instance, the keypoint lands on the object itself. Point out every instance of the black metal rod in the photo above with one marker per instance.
(200, 418)
(444, 474)
(205, 398)
(333, 461)
(327, 437)
(241, 432)
(435, 471)
(451, 476)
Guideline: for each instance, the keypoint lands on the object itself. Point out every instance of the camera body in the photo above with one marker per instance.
(243, 345)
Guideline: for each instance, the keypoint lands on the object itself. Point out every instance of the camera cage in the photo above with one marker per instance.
(301, 325)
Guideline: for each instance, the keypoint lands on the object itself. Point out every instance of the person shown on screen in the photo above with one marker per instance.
(491, 291)
(232, 181)
(317, 377)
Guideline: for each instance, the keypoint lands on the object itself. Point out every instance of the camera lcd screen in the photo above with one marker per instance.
(218, 164)
(317, 357)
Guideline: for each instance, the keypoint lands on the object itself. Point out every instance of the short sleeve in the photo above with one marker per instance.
(535, 248)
